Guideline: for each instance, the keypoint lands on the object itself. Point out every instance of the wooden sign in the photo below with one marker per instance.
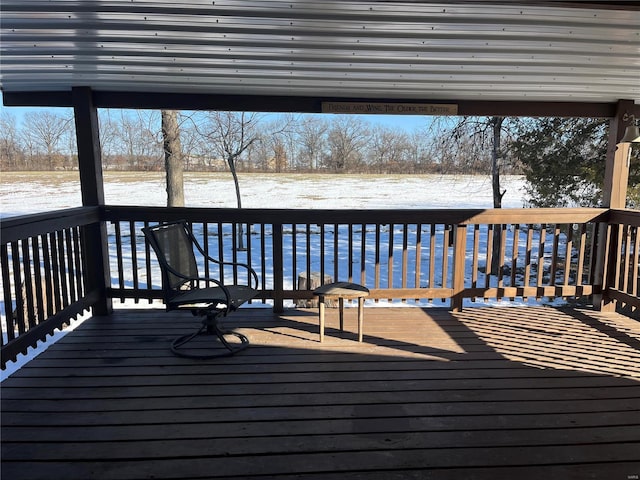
(390, 108)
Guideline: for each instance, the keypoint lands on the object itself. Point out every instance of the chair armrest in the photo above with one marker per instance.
(201, 279)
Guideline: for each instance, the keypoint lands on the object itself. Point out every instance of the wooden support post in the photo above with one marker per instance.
(95, 247)
(616, 179)
(459, 257)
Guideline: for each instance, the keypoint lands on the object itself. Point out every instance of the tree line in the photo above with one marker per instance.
(562, 159)
(132, 140)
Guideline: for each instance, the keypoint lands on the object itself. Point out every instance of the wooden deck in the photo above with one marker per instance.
(489, 393)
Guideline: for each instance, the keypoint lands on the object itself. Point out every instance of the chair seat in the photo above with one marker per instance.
(212, 296)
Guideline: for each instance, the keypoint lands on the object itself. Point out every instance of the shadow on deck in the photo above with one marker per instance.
(488, 393)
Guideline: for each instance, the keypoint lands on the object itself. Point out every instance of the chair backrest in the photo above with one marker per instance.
(173, 245)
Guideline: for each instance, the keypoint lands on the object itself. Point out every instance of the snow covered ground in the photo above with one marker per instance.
(28, 192)
(31, 192)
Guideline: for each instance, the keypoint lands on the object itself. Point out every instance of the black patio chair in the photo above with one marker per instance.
(184, 289)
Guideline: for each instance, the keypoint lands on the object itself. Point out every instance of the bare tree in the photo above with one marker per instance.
(347, 137)
(10, 151)
(312, 135)
(389, 150)
(280, 139)
(141, 138)
(109, 144)
(173, 161)
(495, 124)
(196, 152)
(474, 144)
(482, 138)
(419, 152)
(231, 134)
(45, 130)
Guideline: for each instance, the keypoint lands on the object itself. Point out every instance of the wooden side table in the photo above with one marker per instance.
(341, 290)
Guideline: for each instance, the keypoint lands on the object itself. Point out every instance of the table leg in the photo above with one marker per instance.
(341, 304)
(360, 317)
(321, 307)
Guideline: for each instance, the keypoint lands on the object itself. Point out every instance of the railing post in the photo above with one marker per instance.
(91, 183)
(459, 259)
(616, 178)
(278, 269)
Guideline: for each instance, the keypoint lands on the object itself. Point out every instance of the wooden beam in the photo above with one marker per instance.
(301, 104)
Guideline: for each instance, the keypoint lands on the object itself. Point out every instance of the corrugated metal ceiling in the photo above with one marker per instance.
(411, 50)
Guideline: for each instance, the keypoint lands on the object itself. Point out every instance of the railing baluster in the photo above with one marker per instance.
(619, 232)
(7, 295)
(234, 250)
(323, 253)
(205, 247)
(17, 282)
(568, 255)
(581, 255)
(405, 256)
(488, 259)
(527, 260)
(308, 252)
(77, 255)
(48, 272)
(294, 259)
(70, 267)
(376, 277)
(147, 262)
(363, 255)
(626, 258)
(350, 253)
(418, 261)
(502, 249)
(540, 276)
(278, 268)
(445, 255)
(220, 253)
(432, 256)
(555, 255)
(63, 269)
(26, 289)
(336, 259)
(120, 256)
(263, 255)
(635, 270)
(390, 258)
(515, 254)
(134, 257)
(475, 261)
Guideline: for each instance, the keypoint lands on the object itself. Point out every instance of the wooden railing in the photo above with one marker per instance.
(444, 256)
(53, 267)
(44, 276)
(622, 268)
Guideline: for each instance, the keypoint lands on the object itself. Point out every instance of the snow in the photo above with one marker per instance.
(30, 192)
(25, 193)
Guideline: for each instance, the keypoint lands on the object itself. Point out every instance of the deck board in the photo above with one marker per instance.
(485, 393)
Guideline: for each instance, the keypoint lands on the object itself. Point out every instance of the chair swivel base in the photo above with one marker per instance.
(210, 327)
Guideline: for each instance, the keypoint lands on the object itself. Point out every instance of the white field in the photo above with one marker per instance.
(32, 192)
